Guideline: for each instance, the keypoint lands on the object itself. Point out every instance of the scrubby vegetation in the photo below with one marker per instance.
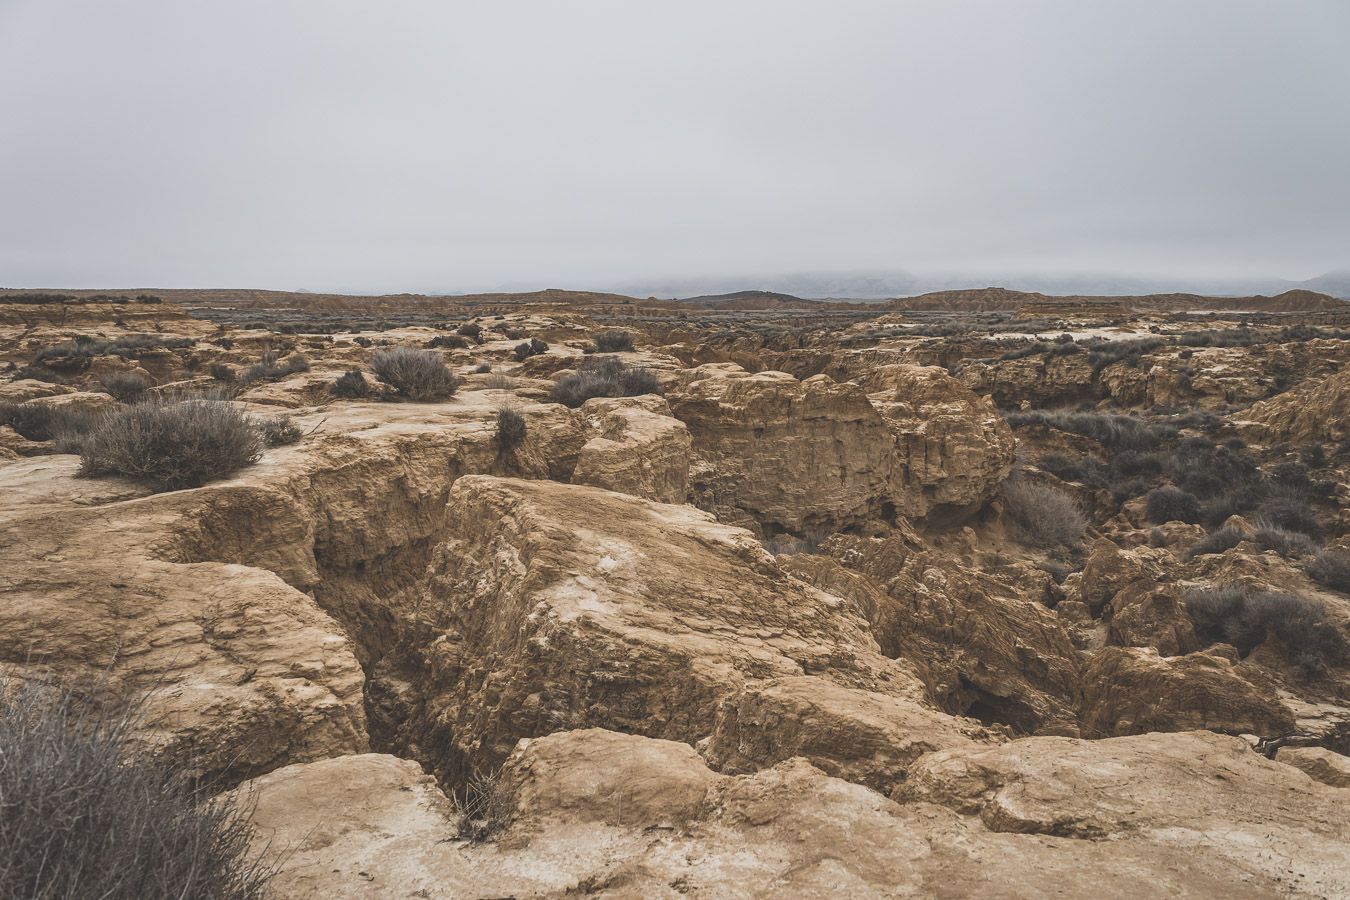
(483, 807)
(1169, 504)
(272, 367)
(1043, 514)
(418, 375)
(84, 815)
(603, 377)
(45, 422)
(127, 387)
(351, 385)
(277, 431)
(510, 430)
(171, 445)
(526, 349)
(614, 341)
(1331, 569)
(1246, 617)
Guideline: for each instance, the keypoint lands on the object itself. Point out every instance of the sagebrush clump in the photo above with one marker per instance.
(511, 430)
(351, 385)
(1246, 617)
(82, 815)
(614, 341)
(417, 375)
(1045, 515)
(172, 445)
(603, 377)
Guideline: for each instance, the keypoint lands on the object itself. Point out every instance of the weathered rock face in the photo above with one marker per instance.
(1142, 615)
(245, 673)
(1319, 763)
(555, 606)
(852, 734)
(620, 815)
(811, 457)
(1315, 412)
(208, 596)
(1149, 787)
(1040, 380)
(808, 457)
(983, 648)
(953, 448)
(1134, 690)
(634, 446)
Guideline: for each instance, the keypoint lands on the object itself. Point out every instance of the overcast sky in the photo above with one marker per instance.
(441, 145)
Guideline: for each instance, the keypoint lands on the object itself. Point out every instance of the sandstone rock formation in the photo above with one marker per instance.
(620, 815)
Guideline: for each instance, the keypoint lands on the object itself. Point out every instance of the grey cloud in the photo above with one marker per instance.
(457, 145)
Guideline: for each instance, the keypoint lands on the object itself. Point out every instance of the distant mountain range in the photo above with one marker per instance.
(885, 285)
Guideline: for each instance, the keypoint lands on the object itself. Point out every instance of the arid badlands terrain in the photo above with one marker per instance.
(979, 594)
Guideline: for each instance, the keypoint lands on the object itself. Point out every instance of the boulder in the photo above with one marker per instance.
(953, 448)
(634, 446)
(1319, 763)
(1130, 690)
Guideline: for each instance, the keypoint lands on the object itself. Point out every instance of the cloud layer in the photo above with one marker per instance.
(448, 146)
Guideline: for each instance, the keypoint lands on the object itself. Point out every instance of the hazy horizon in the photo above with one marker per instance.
(426, 147)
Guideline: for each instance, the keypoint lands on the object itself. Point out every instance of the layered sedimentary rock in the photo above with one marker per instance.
(953, 448)
(619, 815)
(814, 456)
(1315, 412)
(1133, 690)
(555, 606)
(634, 446)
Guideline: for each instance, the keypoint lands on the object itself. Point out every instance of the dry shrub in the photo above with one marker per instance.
(1245, 617)
(1331, 568)
(483, 805)
(1169, 504)
(603, 377)
(171, 445)
(82, 815)
(128, 387)
(1045, 515)
(415, 374)
(351, 385)
(42, 422)
(511, 430)
(614, 341)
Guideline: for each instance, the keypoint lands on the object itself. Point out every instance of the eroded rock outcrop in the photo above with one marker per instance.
(557, 606)
(636, 447)
(1133, 690)
(620, 815)
(815, 456)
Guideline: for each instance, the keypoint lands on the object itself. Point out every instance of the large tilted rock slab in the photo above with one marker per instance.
(1130, 690)
(1314, 412)
(246, 607)
(984, 648)
(244, 672)
(615, 815)
(1195, 791)
(559, 606)
(811, 457)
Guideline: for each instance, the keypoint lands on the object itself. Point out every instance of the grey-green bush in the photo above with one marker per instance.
(1246, 617)
(603, 377)
(172, 445)
(1044, 515)
(82, 815)
(418, 375)
(511, 430)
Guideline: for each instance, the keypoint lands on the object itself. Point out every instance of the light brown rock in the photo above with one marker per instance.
(1130, 690)
(1319, 763)
(373, 826)
(634, 446)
